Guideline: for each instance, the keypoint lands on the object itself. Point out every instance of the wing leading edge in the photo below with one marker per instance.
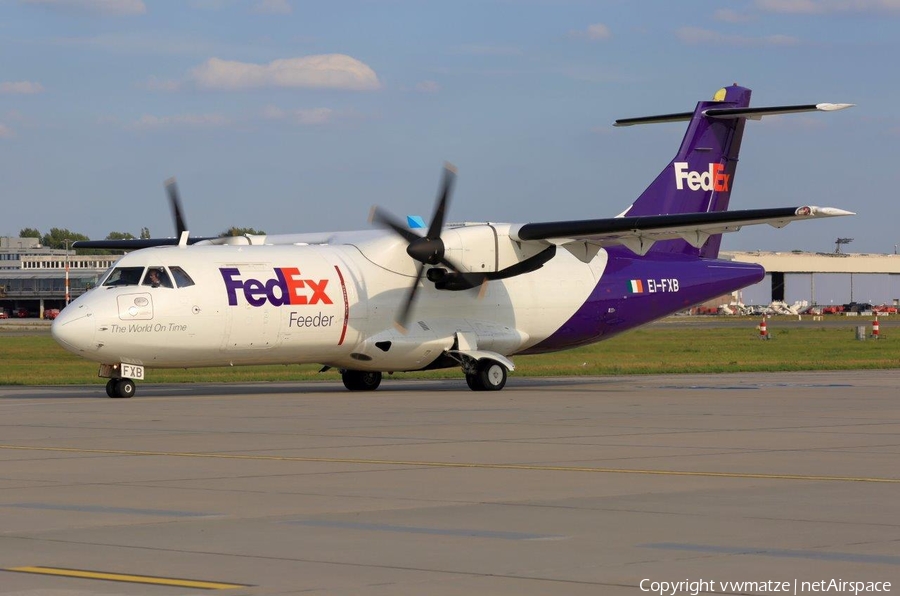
(639, 233)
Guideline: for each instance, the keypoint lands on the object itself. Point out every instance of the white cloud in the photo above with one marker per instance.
(696, 36)
(598, 31)
(314, 116)
(428, 87)
(273, 7)
(595, 32)
(727, 15)
(303, 116)
(828, 6)
(103, 7)
(150, 122)
(6, 132)
(324, 71)
(21, 88)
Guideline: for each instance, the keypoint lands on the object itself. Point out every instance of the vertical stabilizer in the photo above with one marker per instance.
(701, 176)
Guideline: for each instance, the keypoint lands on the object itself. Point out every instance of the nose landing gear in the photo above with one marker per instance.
(120, 388)
(121, 378)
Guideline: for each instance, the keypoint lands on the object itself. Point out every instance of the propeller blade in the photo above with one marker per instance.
(440, 209)
(385, 219)
(175, 205)
(403, 314)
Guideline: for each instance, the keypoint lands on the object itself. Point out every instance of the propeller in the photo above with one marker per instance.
(175, 205)
(428, 249)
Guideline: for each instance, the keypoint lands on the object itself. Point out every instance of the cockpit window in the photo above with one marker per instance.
(182, 279)
(157, 277)
(124, 276)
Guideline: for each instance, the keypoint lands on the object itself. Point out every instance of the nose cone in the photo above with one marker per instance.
(74, 329)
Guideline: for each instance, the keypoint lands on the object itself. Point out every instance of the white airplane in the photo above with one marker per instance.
(466, 295)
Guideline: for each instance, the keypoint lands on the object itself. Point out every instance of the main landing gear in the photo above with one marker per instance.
(483, 375)
(361, 380)
(120, 388)
(487, 375)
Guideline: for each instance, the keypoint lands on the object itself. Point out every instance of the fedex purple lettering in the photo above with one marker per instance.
(287, 287)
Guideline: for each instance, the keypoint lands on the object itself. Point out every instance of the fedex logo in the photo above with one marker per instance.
(713, 179)
(287, 287)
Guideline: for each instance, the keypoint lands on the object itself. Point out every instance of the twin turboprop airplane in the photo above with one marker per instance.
(468, 295)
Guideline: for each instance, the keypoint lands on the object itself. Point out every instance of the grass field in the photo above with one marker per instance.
(37, 360)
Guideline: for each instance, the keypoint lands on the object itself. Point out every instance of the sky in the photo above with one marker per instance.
(290, 116)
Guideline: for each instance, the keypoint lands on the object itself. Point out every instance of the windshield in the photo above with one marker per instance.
(124, 276)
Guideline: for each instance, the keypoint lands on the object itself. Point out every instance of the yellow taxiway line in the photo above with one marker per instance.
(447, 464)
(123, 577)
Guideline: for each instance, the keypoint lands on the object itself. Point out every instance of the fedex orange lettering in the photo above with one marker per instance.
(713, 179)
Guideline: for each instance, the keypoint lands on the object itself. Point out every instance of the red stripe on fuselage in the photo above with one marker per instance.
(346, 305)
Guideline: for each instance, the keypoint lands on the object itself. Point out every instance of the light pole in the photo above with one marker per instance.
(67, 271)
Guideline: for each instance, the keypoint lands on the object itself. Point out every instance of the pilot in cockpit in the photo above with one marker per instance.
(156, 277)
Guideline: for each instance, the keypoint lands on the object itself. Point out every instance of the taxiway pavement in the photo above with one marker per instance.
(552, 486)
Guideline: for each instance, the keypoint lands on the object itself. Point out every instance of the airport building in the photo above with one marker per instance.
(822, 278)
(33, 278)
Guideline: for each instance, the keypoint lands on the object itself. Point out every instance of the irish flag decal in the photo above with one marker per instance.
(637, 286)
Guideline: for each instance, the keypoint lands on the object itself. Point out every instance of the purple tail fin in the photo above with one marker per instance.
(701, 175)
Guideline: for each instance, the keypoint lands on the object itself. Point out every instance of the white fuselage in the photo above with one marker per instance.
(332, 304)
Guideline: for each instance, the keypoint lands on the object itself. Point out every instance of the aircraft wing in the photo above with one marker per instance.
(135, 243)
(639, 233)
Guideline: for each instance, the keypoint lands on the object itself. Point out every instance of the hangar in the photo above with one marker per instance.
(822, 278)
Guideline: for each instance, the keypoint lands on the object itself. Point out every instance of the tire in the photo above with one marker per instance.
(361, 380)
(491, 375)
(474, 382)
(111, 388)
(125, 388)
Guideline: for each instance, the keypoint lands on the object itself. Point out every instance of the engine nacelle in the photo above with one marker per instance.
(486, 248)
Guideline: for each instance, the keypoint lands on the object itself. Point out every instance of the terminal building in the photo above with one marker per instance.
(33, 278)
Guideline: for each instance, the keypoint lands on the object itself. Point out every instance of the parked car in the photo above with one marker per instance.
(3, 314)
(21, 313)
(51, 313)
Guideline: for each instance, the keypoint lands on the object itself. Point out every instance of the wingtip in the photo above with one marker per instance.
(824, 211)
(833, 107)
(450, 167)
(836, 211)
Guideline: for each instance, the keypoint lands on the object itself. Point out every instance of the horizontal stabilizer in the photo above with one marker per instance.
(680, 117)
(723, 113)
(757, 113)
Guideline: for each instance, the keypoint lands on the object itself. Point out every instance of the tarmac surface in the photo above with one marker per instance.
(552, 486)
